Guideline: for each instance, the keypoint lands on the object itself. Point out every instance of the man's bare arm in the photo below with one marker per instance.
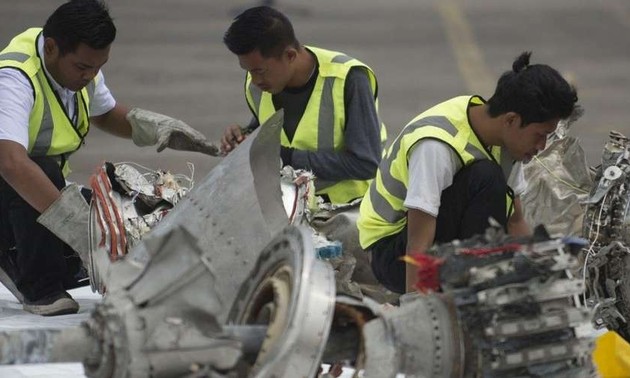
(114, 122)
(420, 235)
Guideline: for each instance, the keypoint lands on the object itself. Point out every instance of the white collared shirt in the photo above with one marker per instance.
(16, 100)
(432, 166)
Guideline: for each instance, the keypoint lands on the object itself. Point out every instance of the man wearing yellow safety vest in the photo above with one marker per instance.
(51, 91)
(458, 164)
(331, 125)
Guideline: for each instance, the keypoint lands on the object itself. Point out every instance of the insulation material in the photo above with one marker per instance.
(558, 183)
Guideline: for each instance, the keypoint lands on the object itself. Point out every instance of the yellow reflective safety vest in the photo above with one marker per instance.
(51, 132)
(382, 211)
(322, 125)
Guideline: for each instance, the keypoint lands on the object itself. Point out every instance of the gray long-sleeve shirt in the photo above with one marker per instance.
(361, 154)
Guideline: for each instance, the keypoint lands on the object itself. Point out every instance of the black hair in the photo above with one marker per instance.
(262, 28)
(538, 93)
(80, 21)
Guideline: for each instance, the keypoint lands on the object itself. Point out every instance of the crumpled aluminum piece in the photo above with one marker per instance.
(298, 194)
(140, 197)
(158, 190)
(558, 183)
(334, 234)
(155, 185)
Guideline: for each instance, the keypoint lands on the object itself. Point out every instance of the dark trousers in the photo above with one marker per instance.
(44, 264)
(477, 193)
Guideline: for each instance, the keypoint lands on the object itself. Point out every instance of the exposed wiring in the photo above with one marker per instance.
(590, 249)
(576, 188)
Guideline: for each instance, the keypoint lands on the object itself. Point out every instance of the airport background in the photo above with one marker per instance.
(169, 57)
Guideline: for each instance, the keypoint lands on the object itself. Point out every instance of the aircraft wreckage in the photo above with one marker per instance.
(235, 282)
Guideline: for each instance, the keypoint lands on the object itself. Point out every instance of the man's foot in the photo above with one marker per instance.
(55, 304)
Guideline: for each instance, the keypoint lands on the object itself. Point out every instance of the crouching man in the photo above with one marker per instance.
(51, 90)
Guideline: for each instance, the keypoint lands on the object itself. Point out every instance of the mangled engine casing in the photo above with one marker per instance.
(508, 307)
(607, 217)
(237, 198)
(209, 292)
(170, 298)
(559, 182)
(220, 288)
(607, 226)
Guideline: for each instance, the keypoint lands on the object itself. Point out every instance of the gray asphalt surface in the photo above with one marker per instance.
(169, 58)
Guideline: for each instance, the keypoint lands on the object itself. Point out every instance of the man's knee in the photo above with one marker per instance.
(477, 193)
(482, 175)
(51, 169)
(486, 171)
(387, 267)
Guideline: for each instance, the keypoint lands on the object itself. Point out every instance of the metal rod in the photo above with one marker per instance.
(35, 346)
(75, 344)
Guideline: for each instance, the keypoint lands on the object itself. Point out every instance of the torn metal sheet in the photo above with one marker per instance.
(169, 297)
(128, 201)
(236, 198)
(559, 183)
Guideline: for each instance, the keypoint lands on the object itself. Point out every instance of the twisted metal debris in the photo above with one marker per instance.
(607, 226)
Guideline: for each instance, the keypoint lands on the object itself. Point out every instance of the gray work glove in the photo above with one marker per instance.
(68, 219)
(149, 128)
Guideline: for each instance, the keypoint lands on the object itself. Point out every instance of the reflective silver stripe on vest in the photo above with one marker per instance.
(477, 153)
(43, 139)
(44, 136)
(256, 96)
(325, 126)
(16, 56)
(60, 159)
(326, 116)
(326, 123)
(397, 188)
(341, 58)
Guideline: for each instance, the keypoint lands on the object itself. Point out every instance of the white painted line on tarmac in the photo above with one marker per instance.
(467, 52)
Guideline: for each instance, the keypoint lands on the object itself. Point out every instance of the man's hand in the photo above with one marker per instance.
(232, 137)
(149, 128)
(68, 219)
(517, 225)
